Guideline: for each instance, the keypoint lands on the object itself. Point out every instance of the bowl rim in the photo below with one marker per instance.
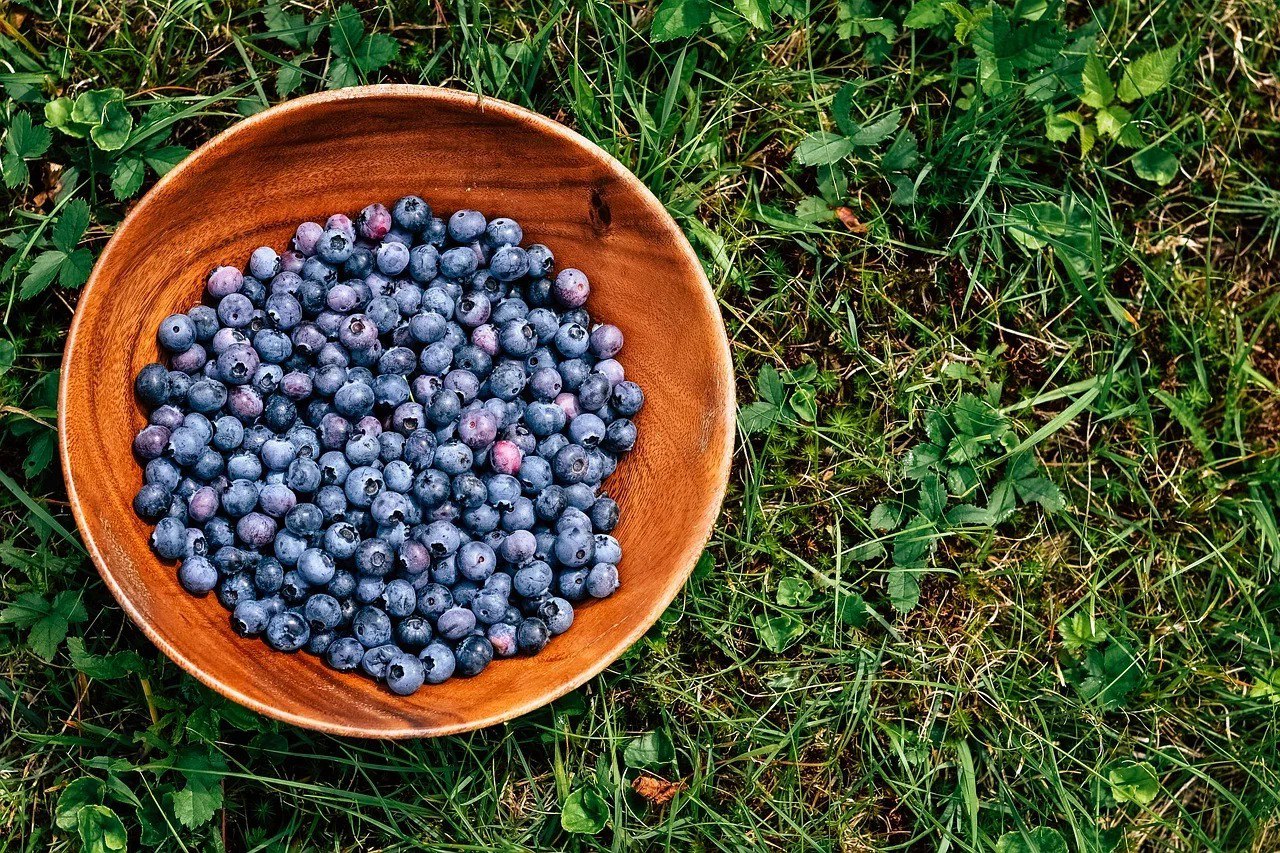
(623, 641)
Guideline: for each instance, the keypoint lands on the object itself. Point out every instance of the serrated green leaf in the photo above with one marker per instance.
(758, 417)
(1040, 490)
(679, 18)
(932, 496)
(40, 454)
(584, 813)
(1041, 839)
(101, 830)
(903, 587)
(885, 517)
(75, 268)
(1088, 136)
(102, 667)
(814, 209)
(1059, 127)
(919, 460)
(769, 385)
(968, 515)
(1147, 74)
(126, 177)
(962, 480)
(341, 75)
(794, 592)
(289, 77)
(777, 633)
(1002, 502)
(754, 12)
(1155, 164)
(842, 108)
(113, 131)
(200, 799)
(924, 14)
(375, 51)
(1098, 90)
(26, 140)
(823, 148)
(651, 751)
(1112, 675)
(1133, 782)
(877, 131)
(1115, 122)
(285, 26)
(8, 354)
(71, 225)
(345, 32)
(1080, 630)
(912, 544)
(163, 160)
(902, 154)
(41, 274)
(15, 170)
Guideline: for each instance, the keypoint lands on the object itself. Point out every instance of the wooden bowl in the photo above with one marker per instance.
(339, 151)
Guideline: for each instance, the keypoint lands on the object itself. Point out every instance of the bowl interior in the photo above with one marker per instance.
(338, 152)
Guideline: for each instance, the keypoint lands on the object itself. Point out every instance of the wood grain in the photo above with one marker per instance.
(337, 152)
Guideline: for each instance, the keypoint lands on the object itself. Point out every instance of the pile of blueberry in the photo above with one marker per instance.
(385, 446)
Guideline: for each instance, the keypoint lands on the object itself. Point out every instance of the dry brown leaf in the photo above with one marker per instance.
(851, 220)
(655, 790)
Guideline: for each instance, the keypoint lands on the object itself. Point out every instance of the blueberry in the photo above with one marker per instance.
(575, 547)
(405, 674)
(177, 333)
(476, 561)
(268, 576)
(438, 663)
(457, 263)
(518, 547)
(169, 539)
(249, 618)
(558, 615)
(264, 263)
(571, 584)
(488, 607)
(399, 598)
(532, 635)
(344, 654)
(627, 399)
(287, 632)
(594, 392)
(235, 588)
(455, 622)
(152, 502)
(620, 437)
(335, 246)
(197, 575)
(376, 659)
(322, 612)
(152, 385)
(374, 222)
(534, 578)
(473, 654)
(509, 263)
(371, 626)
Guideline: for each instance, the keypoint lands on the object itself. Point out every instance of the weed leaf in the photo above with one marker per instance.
(679, 18)
(651, 751)
(777, 633)
(1098, 90)
(823, 148)
(1041, 839)
(585, 812)
(1133, 782)
(1147, 74)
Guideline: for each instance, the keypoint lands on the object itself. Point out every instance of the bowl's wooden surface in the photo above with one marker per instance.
(337, 152)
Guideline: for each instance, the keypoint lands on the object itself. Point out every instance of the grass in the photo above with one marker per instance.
(1091, 669)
